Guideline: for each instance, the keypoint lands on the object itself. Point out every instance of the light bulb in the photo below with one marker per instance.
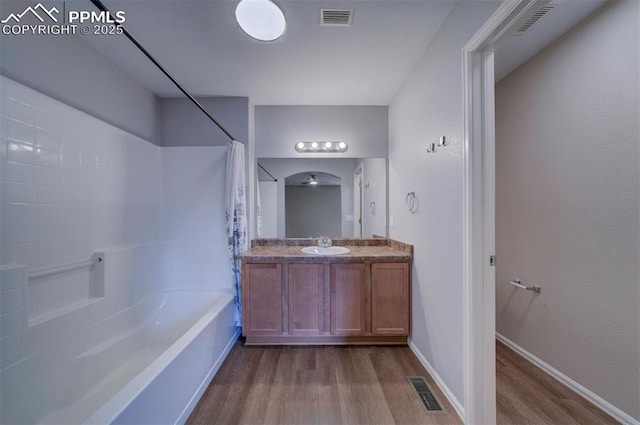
(314, 145)
(327, 145)
(300, 145)
(342, 145)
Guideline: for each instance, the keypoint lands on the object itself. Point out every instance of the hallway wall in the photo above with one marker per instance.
(567, 205)
(428, 106)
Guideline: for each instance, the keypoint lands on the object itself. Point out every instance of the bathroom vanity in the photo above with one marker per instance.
(359, 297)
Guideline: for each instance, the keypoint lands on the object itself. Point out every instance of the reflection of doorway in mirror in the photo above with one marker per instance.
(313, 205)
(357, 203)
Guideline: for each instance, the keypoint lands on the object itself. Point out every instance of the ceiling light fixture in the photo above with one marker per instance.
(262, 20)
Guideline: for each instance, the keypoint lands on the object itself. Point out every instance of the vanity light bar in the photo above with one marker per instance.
(321, 147)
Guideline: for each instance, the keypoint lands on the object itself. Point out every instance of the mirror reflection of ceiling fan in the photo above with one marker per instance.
(311, 180)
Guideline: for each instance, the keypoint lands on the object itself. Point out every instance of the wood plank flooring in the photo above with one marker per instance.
(318, 385)
(367, 385)
(527, 395)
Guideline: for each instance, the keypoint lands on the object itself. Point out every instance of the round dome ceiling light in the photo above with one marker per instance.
(262, 20)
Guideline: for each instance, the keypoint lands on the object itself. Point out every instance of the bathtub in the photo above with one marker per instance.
(146, 364)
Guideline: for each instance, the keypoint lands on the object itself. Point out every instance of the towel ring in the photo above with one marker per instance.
(410, 200)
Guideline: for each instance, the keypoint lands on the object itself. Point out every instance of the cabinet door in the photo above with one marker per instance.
(347, 294)
(262, 299)
(305, 299)
(390, 298)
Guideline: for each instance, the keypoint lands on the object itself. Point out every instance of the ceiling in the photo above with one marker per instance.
(303, 179)
(199, 42)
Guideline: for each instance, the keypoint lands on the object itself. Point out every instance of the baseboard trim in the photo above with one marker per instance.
(598, 401)
(443, 387)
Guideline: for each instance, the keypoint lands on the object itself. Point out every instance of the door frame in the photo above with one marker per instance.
(357, 202)
(479, 208)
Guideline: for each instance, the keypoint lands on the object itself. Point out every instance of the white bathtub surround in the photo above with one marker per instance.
(101, 369)
(236, 216)
(90, 339)
(98, 358)
(71, 184)
(13, 316)
(179, 349)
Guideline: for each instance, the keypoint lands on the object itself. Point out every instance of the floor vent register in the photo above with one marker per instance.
(424, 392)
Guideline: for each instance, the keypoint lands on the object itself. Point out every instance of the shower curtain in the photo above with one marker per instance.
(258, 209)
(235, 208)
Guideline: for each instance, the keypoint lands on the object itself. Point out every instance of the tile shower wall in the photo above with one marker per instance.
(70, 185)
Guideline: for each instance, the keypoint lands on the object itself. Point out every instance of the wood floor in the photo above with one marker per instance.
(367, 385)
(318, 385)
(527, 395)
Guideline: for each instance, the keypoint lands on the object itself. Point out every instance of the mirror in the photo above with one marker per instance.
(311, 197)
(312, 204)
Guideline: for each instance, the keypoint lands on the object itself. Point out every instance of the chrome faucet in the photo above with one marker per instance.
(324, 242)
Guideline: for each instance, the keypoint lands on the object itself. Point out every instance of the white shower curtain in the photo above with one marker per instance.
(258, 209)
(235, 207)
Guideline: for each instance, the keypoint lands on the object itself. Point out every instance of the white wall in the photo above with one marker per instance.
(428, 106)
(279, 128)
(194, 216)
(567, 204)
(284, 167)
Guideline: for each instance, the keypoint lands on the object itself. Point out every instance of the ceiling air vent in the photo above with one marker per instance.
(336, 17)
(531, 21)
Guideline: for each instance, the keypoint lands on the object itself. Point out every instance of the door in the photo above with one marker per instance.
(262, 299)
(347, 297)
(390, 299)
(306, 301)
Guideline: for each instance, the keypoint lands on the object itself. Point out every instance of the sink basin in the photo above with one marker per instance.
(332, 250)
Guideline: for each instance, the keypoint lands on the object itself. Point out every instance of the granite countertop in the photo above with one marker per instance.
(289, 250)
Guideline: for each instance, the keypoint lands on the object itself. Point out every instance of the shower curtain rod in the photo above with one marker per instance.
(265, 170)
(103, 8)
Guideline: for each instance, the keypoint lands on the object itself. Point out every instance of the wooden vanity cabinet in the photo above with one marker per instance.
(326, 302)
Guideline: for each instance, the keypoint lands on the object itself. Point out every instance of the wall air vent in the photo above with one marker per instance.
(533, 19)
(336, 17)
